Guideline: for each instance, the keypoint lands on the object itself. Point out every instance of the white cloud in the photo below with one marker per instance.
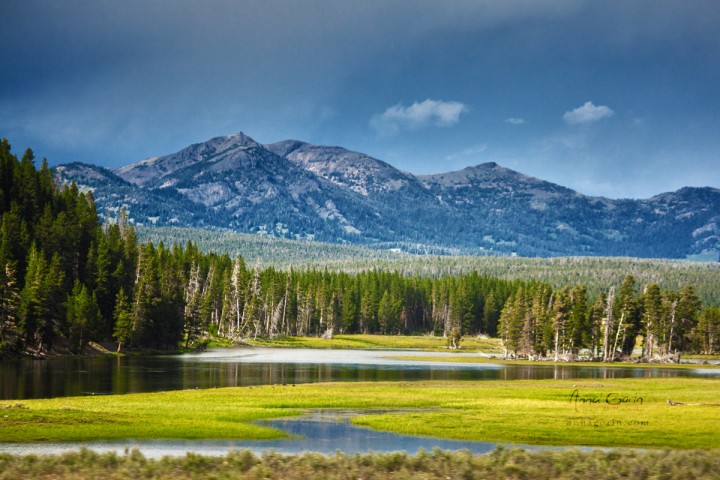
(418, 115)
(515, 121)
(587, 113)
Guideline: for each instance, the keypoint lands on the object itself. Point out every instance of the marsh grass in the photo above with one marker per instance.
(500, 464)
(527, 412)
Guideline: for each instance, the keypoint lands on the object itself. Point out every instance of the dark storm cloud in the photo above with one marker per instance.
(113, 82)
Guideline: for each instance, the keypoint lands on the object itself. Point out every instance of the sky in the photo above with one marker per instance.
(610, 98)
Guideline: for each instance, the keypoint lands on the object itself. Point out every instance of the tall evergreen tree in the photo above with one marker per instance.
(146, 298)
(83, 316)
(707, 332)
(123, 317)
(10, 334)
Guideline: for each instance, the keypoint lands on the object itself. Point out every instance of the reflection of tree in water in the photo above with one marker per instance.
(70, 376)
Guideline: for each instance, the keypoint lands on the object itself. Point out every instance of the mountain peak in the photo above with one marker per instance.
(357, 171)
(295, 189)
(225, 142)
(153, 168)
(241, 139)
(489, 171)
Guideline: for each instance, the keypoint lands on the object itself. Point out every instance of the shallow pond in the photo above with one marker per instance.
(100, 375)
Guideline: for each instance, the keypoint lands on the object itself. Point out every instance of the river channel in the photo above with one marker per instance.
(103, 375)
(322, 432)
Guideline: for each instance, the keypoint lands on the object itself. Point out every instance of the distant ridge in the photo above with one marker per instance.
(294, 189)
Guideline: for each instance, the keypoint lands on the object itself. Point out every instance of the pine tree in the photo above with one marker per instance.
(389, 310)
(52, 312)
(593, 337)
(169, 325)
(578, 321)
(101, 282)
(491, 314)
(193, 304)
(654, 329)
(15, 239)
(123, 317)
(146, 299)
(83, 316)
(31, 300)
(10, 334)
(688, 308)
(628, 311)
(349, 309)
(512, 320)
(368, 311)
(707, 332)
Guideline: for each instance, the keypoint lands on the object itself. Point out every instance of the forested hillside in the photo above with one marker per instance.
(596, 273)
(66, 280)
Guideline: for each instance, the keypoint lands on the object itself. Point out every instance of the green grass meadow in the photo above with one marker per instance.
(601, 412)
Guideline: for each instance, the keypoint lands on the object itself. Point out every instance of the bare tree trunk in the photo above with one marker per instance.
(285, 299)
(617, 335)
(672, 326)
(269, 318)
(608, 323)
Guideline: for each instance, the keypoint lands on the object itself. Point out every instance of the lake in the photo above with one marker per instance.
(102, 375)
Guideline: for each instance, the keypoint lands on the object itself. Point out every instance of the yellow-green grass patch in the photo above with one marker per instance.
(421, 342)
(593, 412)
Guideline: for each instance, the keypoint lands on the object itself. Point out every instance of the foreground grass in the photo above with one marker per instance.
(420, 342)
(501, 464)
(525, 412)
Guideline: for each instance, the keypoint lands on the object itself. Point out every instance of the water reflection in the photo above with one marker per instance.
(70, 376)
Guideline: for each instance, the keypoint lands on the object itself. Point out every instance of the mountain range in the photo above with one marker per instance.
(298, 190)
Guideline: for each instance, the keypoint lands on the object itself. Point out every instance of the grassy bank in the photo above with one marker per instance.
(420, 342)
(527, 412)
(501, 464)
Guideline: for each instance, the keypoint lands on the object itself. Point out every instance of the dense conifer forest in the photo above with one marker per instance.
(596, 273)
(66, 280)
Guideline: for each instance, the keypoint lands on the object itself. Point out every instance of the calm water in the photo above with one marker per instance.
(323, 432)
(69, 376)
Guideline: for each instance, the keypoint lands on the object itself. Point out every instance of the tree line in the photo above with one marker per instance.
(66, 280)
(596, 273)
(540, 322)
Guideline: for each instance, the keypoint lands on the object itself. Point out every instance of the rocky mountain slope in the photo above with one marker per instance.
(298, 190)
